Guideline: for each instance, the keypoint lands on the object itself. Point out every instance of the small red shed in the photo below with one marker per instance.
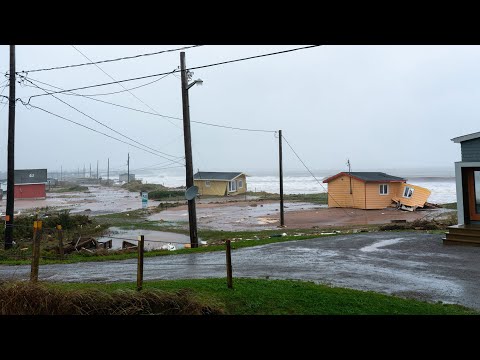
(30, 184)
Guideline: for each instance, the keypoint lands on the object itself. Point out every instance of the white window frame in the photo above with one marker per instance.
(207, 183)
(232, 186)
(240, 184)
(408, 191)
(380, 189)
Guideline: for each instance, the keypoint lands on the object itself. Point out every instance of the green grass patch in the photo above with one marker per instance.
(67, 187)
(166, 195)
(137, 186)
(450, 205)
(284, 297)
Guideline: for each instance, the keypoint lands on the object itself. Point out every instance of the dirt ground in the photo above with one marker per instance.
(235, 214)
(245, 215)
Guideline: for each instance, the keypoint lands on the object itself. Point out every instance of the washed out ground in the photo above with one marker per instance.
(412, 265)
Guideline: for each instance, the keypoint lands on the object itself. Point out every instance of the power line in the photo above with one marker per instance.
(89, 128)
(111, 77)
(110, 60)
(306, 167)
(108, 127)
(192, 68)
(121, 91)
(157, 114)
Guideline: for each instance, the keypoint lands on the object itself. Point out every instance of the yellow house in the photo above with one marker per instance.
(220, 183)
(373, 190)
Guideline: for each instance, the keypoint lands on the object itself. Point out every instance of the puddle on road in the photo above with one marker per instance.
(159, 238)
(375, 246)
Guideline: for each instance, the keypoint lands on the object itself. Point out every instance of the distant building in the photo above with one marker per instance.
(220, 183)
(124, 177)
(30, 183)
(373, 190)
(52, 182)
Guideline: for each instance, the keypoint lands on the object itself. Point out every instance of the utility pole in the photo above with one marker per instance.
(97, 169)
(84, 170)
(280, 157)
(348, 163)
(90, 169)
(11, 154)
(61, 172)
(192, 214)
(108, 170)
(128, 168)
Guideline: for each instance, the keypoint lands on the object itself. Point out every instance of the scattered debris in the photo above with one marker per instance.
(128, 245)
(169, 247)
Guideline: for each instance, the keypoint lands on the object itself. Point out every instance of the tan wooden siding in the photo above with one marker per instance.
(419, 197)
(220, 188)
(377, 201)
(339, 193)
(244, 188)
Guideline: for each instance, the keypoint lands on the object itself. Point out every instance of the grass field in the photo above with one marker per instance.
(284, 297)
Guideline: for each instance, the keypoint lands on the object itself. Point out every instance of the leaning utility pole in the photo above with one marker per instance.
(11, 155)
(192, 215)
(128, 168)
(280, 156)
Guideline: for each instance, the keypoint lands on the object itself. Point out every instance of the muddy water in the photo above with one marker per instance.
(99, 200)
(153, 239)
(235, 217)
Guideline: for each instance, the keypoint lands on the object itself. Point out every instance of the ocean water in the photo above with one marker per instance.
(442, 187)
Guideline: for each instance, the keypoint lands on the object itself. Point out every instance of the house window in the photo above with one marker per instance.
(240, 184)
(408, 192)
(232, 186)
(383, 189)
(207, 183)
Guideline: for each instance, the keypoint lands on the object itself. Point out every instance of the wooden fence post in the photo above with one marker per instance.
(60, 240)
(229, 265)
(37, 228)
(140, 262)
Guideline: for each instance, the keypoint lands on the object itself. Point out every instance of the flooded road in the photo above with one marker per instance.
(235, 216)
(98, 200)
(402, 263)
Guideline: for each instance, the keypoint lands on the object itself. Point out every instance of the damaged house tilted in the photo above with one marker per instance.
(373, 190)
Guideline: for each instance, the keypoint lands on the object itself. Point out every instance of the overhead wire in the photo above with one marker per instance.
(188, 69)
(157, 114)
(110, 60)
(108, 127)
(94, 130)
(121, 85)
(306, 167)
(121, 91)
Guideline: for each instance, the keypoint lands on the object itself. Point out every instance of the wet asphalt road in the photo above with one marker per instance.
(405, 264)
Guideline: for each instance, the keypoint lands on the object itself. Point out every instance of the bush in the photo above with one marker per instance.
(38, 299)
(165, 194)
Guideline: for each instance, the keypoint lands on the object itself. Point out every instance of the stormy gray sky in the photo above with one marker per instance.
(383, 107)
